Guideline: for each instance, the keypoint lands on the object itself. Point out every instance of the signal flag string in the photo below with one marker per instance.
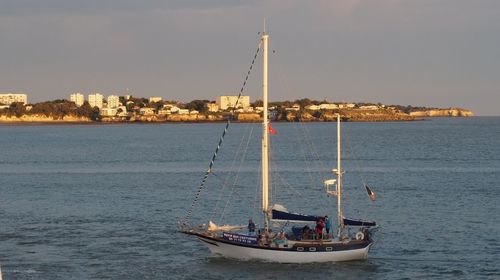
(221, 139)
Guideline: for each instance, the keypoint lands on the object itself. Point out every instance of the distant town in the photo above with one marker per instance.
(14, 107)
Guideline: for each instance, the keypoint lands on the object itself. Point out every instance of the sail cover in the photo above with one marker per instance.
(280, 213)
(359, 223)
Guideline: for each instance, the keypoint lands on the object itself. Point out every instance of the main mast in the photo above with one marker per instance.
(339, 180)
(265, 131)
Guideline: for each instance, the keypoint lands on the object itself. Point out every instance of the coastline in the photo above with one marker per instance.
(99, 123)
(304, 116)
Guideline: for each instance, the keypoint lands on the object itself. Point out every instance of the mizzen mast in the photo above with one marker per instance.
(339, 180)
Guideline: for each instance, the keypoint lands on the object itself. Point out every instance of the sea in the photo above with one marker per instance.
(105, 201)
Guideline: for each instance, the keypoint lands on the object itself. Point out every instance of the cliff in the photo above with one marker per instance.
(450, 112)
(355, 115)
(249, 117)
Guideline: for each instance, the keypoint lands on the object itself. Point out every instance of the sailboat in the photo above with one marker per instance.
(301, 244)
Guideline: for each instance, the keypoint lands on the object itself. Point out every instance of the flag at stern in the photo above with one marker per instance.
(371, 194)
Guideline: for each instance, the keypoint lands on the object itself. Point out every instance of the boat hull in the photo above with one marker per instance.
(241, 252)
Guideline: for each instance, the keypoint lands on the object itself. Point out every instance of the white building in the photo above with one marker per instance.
(154, 99)
(108, 112)
(229, 101)
(147, 111)
(369, 107)
(328, 106)
(213, 107)
(312, 107)
(122, 111)
(113, 101)
(347, 105)
(169, 109)
(78, 98)
(164, 112)
(95, 100)
(295, 107)
(9, 98)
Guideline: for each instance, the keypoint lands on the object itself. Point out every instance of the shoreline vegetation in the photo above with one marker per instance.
(140, 110)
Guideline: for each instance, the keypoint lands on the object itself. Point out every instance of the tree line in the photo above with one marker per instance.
(56, 109)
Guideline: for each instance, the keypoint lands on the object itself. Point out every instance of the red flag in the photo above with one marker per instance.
(371, 194)
(271, 129)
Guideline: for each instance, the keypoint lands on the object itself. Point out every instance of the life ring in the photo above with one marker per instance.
(360, 236)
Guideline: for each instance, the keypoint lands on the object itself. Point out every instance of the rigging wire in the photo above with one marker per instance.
(307, 141)
(207, 173)
(304, 141)
(314, 152)
(356, 160)
(231, 171)
(236, 176)
(258, 186)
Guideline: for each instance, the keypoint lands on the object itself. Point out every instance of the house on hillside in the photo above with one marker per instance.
(328, 106)
(147, 111)
(369, 107)
(295, 107)
(213, 107)
(312, 107)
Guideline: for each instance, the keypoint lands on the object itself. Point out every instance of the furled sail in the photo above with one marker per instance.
(359, 223)
(280, 213)
(213, 227)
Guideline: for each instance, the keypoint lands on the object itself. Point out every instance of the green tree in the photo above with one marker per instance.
(84, 111)
(304, 102)
(95, 114)
(156, 105)
(198, 105)
(257, 103)
(16, 109)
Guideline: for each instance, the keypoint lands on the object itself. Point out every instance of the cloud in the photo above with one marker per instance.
(75, 7)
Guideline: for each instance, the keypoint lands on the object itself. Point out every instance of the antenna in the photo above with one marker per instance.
(264, 25)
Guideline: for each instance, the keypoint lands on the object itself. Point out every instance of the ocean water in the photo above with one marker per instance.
(104, 201)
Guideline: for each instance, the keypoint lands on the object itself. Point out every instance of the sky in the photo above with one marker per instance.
(438, 53)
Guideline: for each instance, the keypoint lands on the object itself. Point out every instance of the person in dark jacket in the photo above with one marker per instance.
(251, 227)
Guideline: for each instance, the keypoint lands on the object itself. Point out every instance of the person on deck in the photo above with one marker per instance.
(281, 239)
(267, 237)
(251, 227)
(271, 236)
(261, 238)
(328, 226)
(320, 225)
(305, 232)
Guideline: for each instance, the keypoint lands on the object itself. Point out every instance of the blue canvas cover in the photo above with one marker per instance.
(287, 216)
(359, 223)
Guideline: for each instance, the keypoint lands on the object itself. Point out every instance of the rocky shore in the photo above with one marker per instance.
(44, 119)
(353, 115)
